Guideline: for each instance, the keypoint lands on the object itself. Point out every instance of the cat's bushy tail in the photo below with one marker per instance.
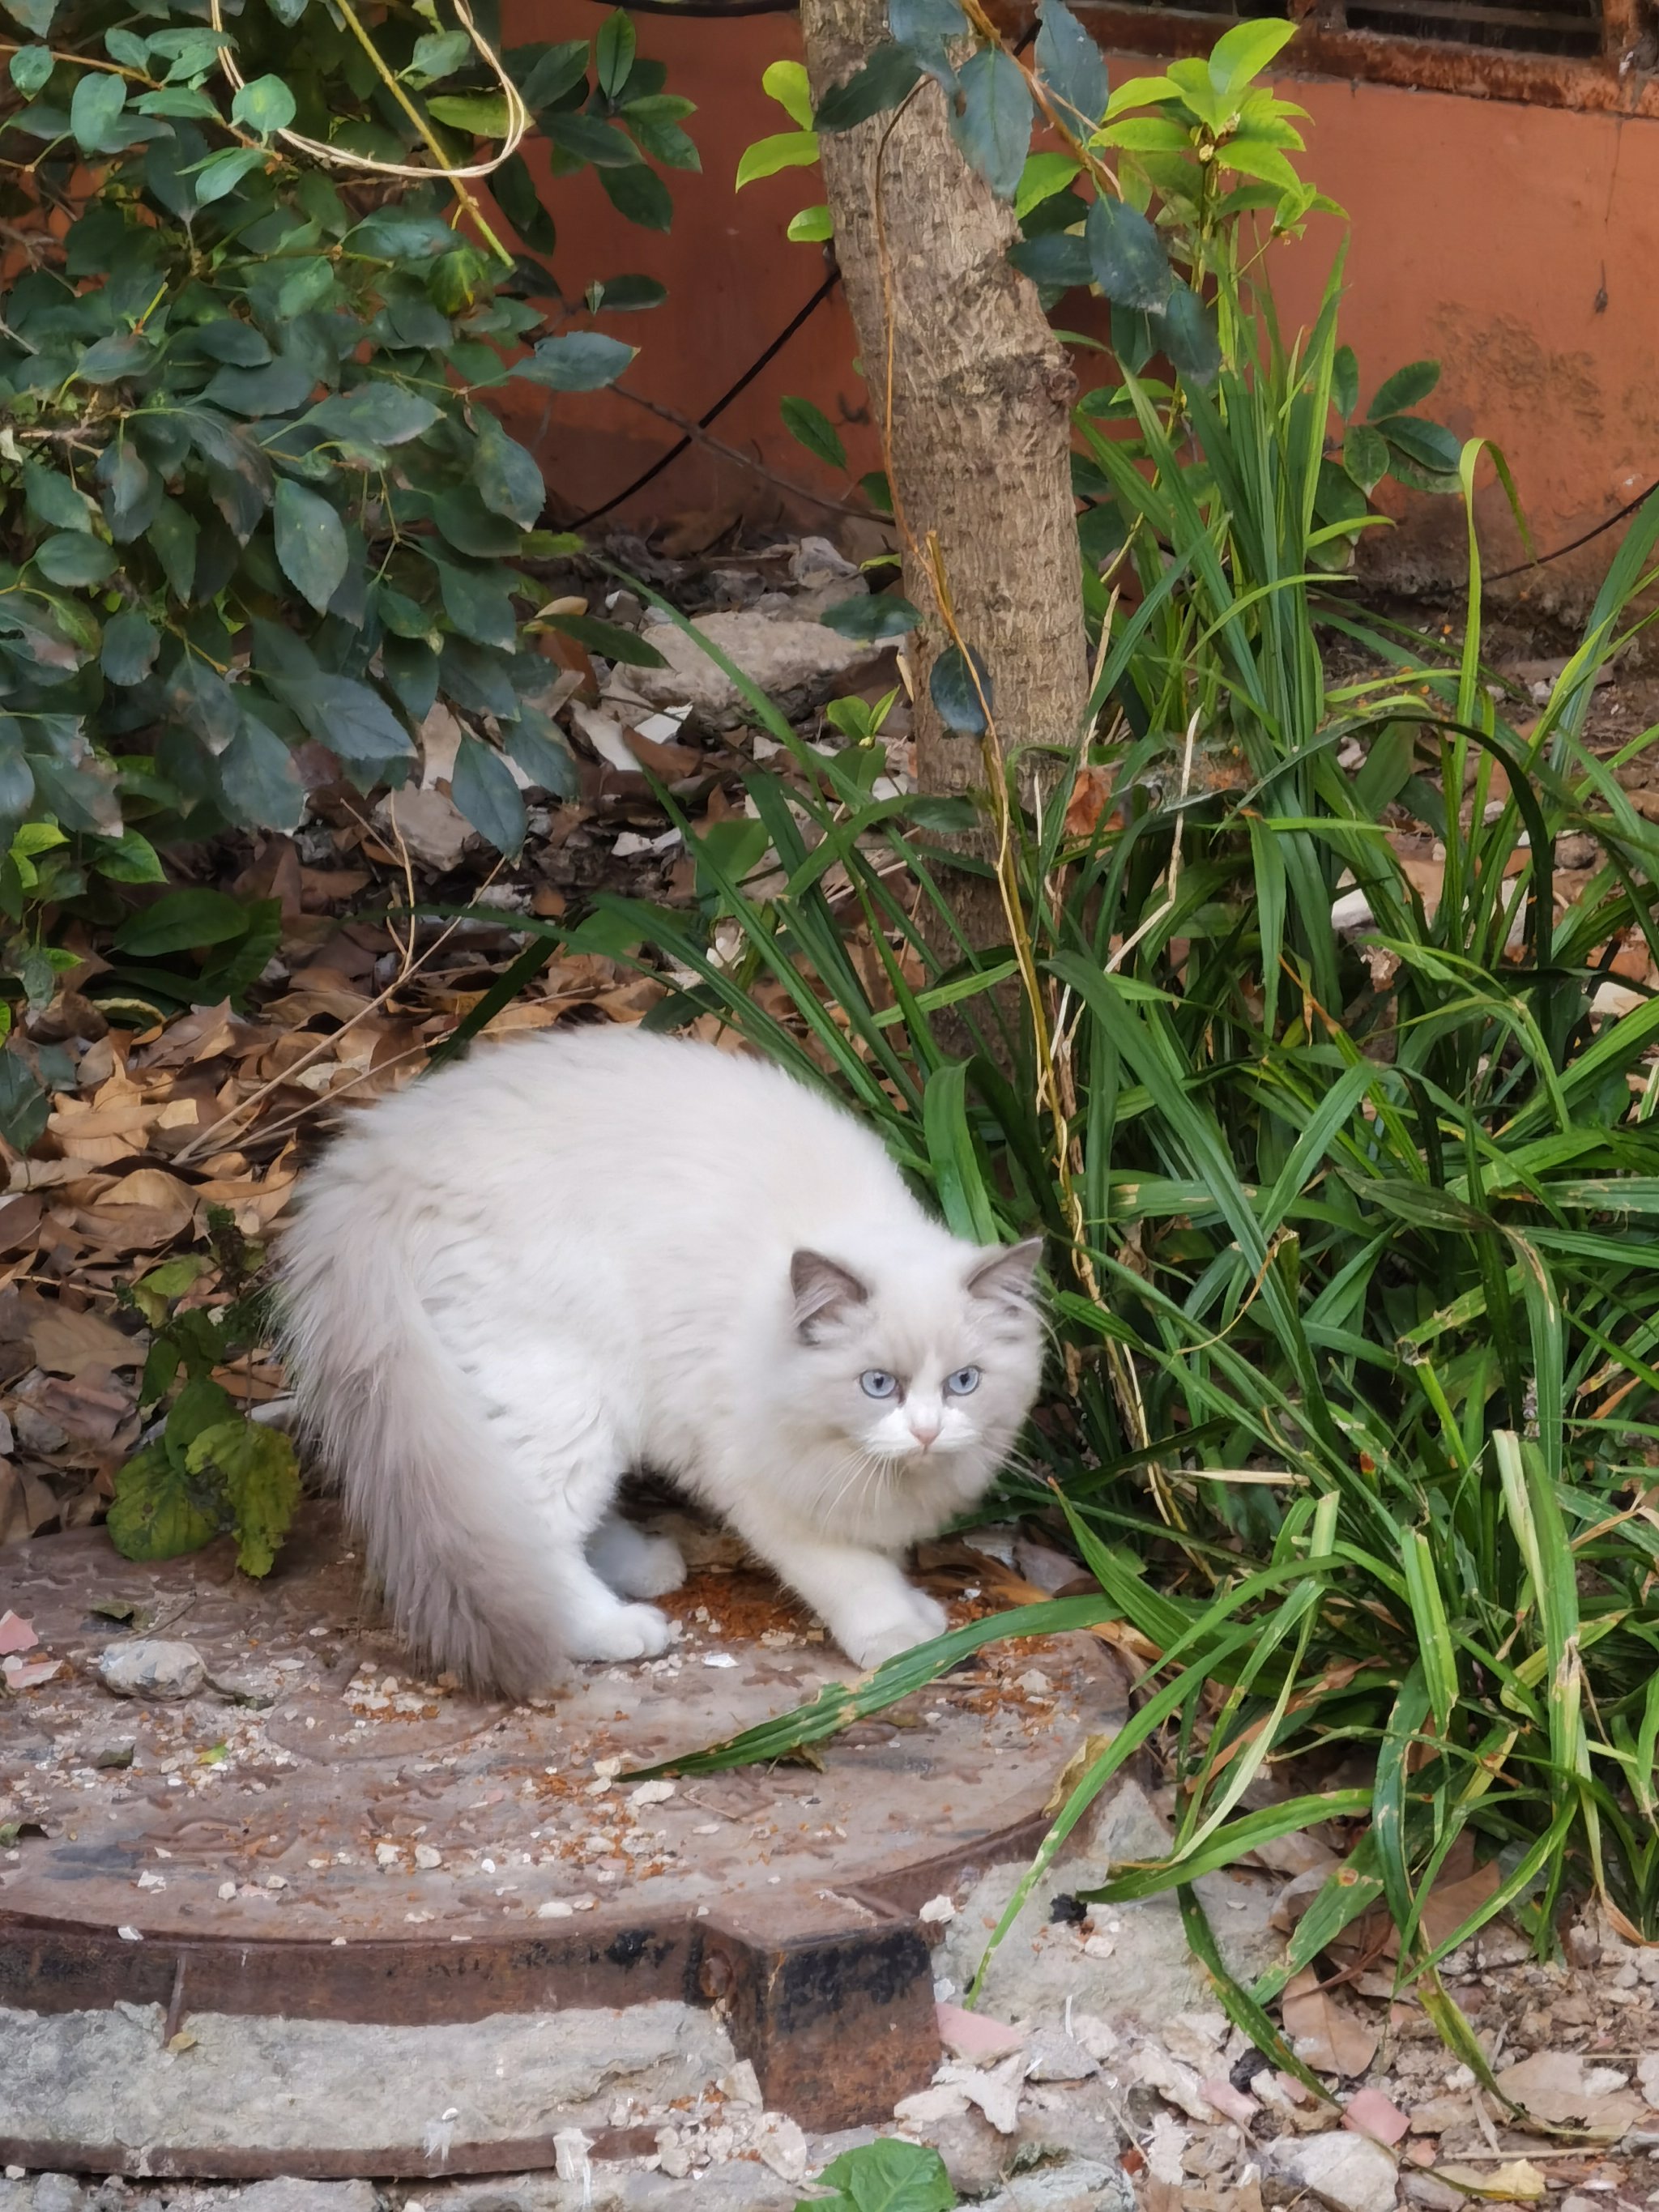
(397, 1424)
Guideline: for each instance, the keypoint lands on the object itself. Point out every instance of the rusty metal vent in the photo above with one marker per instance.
(1549, 28)
(1569, 27)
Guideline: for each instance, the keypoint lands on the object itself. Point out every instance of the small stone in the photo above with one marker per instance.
(226, 1891)
(427, 1857)
(386, 1855)
(651, 1793)
(57, 2192)
(555, 1909)
(288, 2194)
(1368, 2112)
(785, 658)
(1034, 1683)
(740, 2084)
(1345, 2172)
(1057, 2056)
(672, 2156)
(152, 1669)
(938, 1911)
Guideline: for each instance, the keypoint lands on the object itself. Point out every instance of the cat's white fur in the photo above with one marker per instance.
(589, 1252)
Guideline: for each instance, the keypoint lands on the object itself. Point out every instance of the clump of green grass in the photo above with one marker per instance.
(1354, 1230)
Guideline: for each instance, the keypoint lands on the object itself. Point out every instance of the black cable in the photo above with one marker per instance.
(719, 406)
(1588, 537)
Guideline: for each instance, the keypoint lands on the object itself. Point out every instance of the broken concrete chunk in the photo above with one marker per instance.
(1057, 2056)
(152, 1669)
(799, 661)
(1345, 2172)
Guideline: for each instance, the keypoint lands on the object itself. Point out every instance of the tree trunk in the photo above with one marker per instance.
(981, 439)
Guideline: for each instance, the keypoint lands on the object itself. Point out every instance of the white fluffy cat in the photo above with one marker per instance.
(588, 1252)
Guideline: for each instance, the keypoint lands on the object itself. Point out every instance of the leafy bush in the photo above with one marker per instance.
(252, 492)
(1354, 1195)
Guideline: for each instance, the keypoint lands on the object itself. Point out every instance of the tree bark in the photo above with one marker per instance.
(980, 440)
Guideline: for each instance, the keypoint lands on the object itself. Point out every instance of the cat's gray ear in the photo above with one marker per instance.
(1008, 1276)
(823, 1290)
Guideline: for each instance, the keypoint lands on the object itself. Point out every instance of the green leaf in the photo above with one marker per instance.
(1242, 53)
(1420, 441)
(885, 77)
(478, 602)
(576, 361)
(30, 66)
(129, 858)
(955, 694)
(95, 106)
(543, 761)
(131, 642)
(161, 1511)
(509, 481)
(1365, 456)
(608, 638)
(811, 426)
(613, 52)
(1071, 66)
(259, 1476)
(888, 2175)
(34, 15)
(992, 123)
(1345, 380)
(182, 922)
(24, 1105)
(1407, 387)
(264, 105)
(73, 557)
(789, 149)
(1043, 175)
(222, 173)
(587, 138)
(811, 226)
(786, 83)
(619, 295)
(375, 413)
(480, 114)
(482, 786)
(1057, 260)
(52, 499)
(640, 196)
(437, 54)
(311, 543)
(1127, 256)
(519, 200)
(928, 29)
(259, 783)
(872, 616)
(1189, 337)
(352, 721)
(172, 537)
(559, 70)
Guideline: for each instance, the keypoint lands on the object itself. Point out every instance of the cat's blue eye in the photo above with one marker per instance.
(877, 1383)
(964, 1380)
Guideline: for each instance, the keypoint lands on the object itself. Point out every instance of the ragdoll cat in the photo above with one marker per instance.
(588, 1252)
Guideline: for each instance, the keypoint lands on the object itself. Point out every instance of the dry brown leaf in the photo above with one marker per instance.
(1559, 2087)
(65, 1343)
(1325, 2035)
(1517, 2182)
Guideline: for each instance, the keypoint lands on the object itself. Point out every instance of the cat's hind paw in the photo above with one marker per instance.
(634, 1564)
(632, 1632)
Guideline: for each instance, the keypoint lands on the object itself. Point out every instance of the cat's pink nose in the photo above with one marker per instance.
(924, 1433)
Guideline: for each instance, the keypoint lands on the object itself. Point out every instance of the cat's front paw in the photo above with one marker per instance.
(654, 1567)
(869, 1638)
(632, 1632)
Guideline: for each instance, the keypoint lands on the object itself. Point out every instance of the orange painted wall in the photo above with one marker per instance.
(1484, 234)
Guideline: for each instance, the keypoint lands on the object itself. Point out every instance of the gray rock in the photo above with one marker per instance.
(58, 2192)
(1345, 2171)
(1081, 2184)
(1057, 2056)
(801, 662)
(152, 1669)
(1149, 1974)
(289, 2194)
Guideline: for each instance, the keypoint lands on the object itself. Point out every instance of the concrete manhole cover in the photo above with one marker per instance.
(319, 1837)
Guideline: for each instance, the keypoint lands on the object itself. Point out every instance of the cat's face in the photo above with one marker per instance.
(932, 1361)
